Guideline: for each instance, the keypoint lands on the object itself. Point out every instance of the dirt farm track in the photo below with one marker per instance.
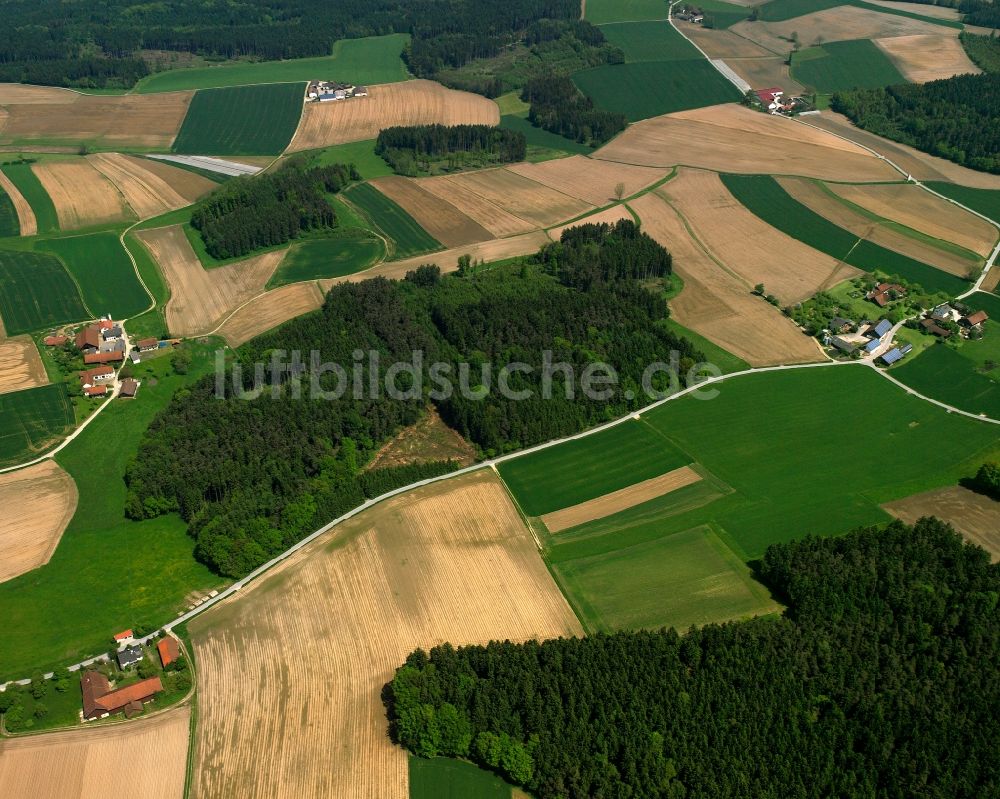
(323, 633)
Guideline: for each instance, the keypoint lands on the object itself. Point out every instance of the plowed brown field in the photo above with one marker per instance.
(718, 304)
(731, 138)
(81, 195)
(146, 758)
(975, 516)
(412, 102)
(439, 218)
(326, 631)
(200, 298)
(755, 251)
(590, 180)
(20, 365)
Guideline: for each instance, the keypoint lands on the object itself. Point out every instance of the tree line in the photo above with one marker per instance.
(558, 106)
(404, 148)
(983, 50)
(247, 214)
(956, 118)
(881, 679)
(250, 477)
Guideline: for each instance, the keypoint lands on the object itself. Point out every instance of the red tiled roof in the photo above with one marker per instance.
(124, 633)
(104, 357)
(136, 692)
(168, 649)
(148, 343)
(90, 336)
(55, 341)
(93, 685)
(96, 391)
(977, 318)
(97, 371)
(105, 324)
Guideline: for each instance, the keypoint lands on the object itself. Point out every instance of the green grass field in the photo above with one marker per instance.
(985, 201)
(103, 271)
(242, 120)
(152, 323)
(542, 140)
(763, 196)
(689, 577)
(571, 473)
(602, 11)
(333, 257)
(839, 66)
(392, 220)
(359, 153)
(444, 778)
(107, 573)
(31, 421)
(651, 88)
(781, 10)
(33, 191)
(720, 14)
(36, 292)
(9, 224)
(650, 41)
(375, 59)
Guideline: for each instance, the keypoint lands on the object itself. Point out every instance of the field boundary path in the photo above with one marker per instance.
(492, 463)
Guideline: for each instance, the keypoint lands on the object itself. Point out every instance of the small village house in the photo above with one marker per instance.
(770, 98)
(99, 375)
(88, 339)
(129, 388)
(129, 656)
(931, 326)
(974, 321)
(945, 313)
(124, 635)
(147, 344)
(95, 391)
(884, 293)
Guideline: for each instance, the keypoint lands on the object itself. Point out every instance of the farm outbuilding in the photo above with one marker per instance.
(168, 649)
(99, 700)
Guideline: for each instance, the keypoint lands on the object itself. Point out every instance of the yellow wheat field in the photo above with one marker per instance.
(81, 195)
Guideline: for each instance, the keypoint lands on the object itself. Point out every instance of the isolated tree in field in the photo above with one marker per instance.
(759, 289)
(619, 190)
(987, 479)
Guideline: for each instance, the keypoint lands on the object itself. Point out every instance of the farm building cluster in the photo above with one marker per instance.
(866, 339)
(774, 101)
(945, 320)
(322, 91)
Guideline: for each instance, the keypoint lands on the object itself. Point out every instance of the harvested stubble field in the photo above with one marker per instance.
(522, 196)
(752, 249)
(20, 365)
(620, 500)
(130, 120)
(607, 216)
(23, 94)
(414, 102)
(201, 298)
(490, 215)
(327, 630)
(270, 310)
(441, 219)
(27, 224)
(151, 188)
(975, 516)
(716, 303)
(928, 56)
(590, 180)
(46, 498)
(834, 25)
(146, 757)
(731, 138)
(814, 197)
(81, 195)
(916, 208)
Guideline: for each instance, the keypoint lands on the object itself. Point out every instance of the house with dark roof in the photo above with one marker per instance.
(99, 700)
(129, 656)
(113, 333)
(840, 325)
(896, 354)
(129, 388)
(932, 326)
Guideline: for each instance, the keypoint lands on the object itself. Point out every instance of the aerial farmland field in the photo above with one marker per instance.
(241, 120)
(393, 221)
(985, 201)
(602, 11)
(34, 193)
(35, 292)
(32, 420)
(375, 59)
(103, 272)
(325, 258)
(946, 374)
(650, 41)
(838, 66)
(9, 224)
(444, 778)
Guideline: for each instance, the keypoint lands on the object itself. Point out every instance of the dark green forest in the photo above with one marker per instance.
(558, 106)
(881, 680)
(985, 13)
(273, 208)
(410, 149)
(250, 477)
(983, 50)
(957, 118)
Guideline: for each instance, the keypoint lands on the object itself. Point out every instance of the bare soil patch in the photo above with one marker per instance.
(833, 25)
(449, 562)
(41, 500)
(975, 516)
(25, 216)
(439, 218)
(81, 195)
(23, 94)
(270, 310)
(133, 120)
(918, 164)
(427, 441)
(718, 304)
(755, 251)
(146, 757)
(590, 180)
(814, 197)
(412, 102)
(521, 196)
(608, 216)
(924, 57)
(201, 298)
(491, 216)
(20, 365)
(991, 281)
(724, 43)
(146, 192)
(620, 500)
(919, 209)
(731, 138)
